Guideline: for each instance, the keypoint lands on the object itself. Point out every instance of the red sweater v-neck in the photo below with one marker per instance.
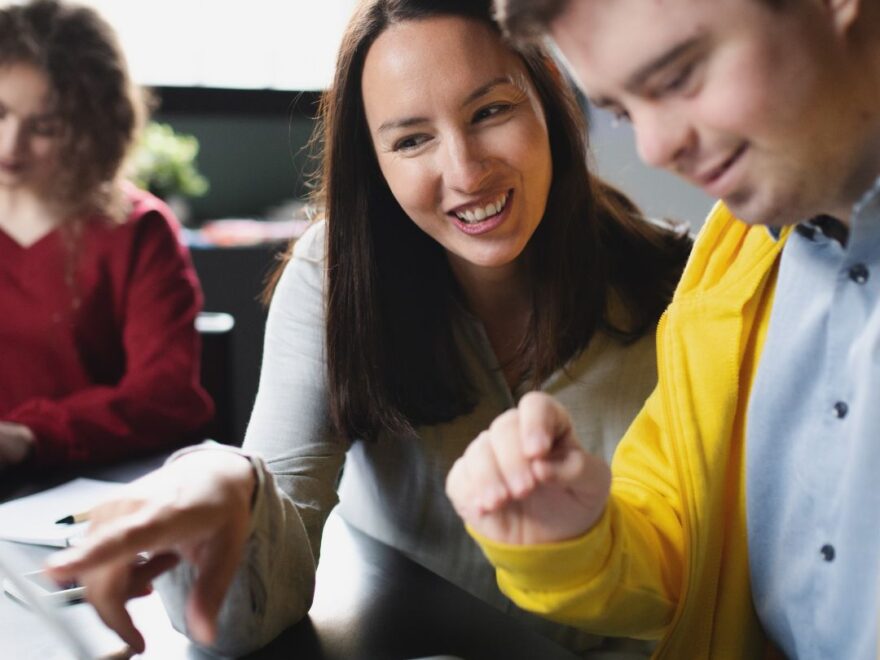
(105, 365)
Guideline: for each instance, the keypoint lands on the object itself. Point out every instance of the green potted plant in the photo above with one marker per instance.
(164, 162)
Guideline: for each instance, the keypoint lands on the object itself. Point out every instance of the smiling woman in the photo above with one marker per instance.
(466, 154)
(463, 256)
(452, 145)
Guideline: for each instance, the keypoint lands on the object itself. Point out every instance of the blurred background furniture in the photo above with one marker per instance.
(233, 279)
(218, 373)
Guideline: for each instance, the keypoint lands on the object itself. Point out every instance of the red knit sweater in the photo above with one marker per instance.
(99, 356)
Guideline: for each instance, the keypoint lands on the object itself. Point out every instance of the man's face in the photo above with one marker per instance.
(753, 105)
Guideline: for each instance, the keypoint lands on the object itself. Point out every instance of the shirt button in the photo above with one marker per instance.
(827, 551)
(859, 273)
(840, 409)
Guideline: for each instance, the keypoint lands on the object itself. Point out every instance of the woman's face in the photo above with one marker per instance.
(460, 137)
(29, 129)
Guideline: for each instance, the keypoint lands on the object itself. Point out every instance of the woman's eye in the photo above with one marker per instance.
(491, 111)
(45, 128)
(410, 142)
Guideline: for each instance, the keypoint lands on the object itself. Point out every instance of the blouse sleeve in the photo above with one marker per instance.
(298, 459)
(159, 401)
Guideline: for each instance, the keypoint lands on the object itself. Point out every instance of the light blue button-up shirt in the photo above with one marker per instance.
(813, 447)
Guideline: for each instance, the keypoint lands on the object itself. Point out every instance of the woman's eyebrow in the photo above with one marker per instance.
(482, 90)
(401, 123)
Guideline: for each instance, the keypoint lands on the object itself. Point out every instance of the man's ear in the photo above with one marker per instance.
(843, 13)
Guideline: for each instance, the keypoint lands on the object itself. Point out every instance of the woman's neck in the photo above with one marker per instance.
(26, 217)
(501, 299)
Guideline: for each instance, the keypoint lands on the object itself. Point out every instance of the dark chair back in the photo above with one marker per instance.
(215, 329)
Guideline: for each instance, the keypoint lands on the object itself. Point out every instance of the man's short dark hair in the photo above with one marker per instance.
(528, 20)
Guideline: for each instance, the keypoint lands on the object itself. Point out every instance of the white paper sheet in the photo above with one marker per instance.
(31, 519)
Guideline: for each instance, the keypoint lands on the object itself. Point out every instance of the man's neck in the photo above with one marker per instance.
(865, 41)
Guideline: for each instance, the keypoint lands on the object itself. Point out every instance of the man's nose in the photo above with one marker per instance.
(663, 138)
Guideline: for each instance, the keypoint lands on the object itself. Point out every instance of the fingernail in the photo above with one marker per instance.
(199, 632)
(202, 630)
(517, 486)
(536, 443)
(500, 494)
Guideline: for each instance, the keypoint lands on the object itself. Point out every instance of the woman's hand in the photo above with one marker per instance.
(527, 480)
(196, 508)
(16, 443)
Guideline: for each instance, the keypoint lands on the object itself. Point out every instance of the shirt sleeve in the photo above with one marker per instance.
(159, 401)
(624, 576)
(298, 459)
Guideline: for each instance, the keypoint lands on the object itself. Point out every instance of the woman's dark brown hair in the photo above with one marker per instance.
(391, 358)
(99, 109)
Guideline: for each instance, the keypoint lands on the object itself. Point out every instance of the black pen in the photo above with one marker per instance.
(74, 518)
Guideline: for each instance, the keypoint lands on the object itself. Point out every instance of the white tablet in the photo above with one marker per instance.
(44, 608)
(46, 589)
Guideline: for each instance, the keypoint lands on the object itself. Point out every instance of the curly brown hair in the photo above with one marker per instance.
(99, 108)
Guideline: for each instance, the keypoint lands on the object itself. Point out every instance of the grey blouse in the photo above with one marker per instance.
(392, 489)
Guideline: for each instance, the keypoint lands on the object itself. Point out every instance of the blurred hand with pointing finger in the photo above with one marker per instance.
(195, 508)
(527, 480)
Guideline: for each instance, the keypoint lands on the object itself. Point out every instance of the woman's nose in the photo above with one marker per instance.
(466, 166)
(10, 137)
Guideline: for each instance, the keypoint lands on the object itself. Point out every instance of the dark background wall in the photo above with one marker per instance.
(253, 152)
(252, 145)
(232, 279)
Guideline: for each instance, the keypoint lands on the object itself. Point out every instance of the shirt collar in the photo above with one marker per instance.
(775, 232)
(864, 210)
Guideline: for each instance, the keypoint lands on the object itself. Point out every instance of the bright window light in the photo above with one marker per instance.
(257, 44)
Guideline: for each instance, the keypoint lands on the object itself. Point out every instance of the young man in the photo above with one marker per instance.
(743, 503)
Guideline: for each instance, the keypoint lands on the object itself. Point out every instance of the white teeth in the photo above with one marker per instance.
(481, 213)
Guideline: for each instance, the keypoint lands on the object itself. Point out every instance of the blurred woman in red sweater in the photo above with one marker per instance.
(99, 357)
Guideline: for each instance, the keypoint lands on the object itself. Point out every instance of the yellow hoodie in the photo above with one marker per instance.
(668, 560)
